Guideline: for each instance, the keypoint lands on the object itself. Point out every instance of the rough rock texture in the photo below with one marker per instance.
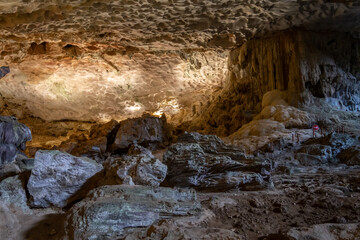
(109, 211)
(206, 163)
(138, 167)
(192, 227)
(8, 222)
(57, 176)
(99, 140)
(20, 165)
(146, 131)
(12, 193)
(7, 153)
(95, 60)
(326, 232)
(324, 149)
(13, 137)
(113, 83)
(168, 24)
(276, 126)
(14, 132)
(305, 66)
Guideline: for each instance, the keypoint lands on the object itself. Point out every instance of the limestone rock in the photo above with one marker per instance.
(14, 132)
(323, 150)
(326, 231)
(7, 153)
(138, 167)
(56, 176)
(205, 162)
(12, 193)
(174, 232)
(21, 164)
(8, 170)
(146, 130)
(13, 137)
(299, 65)
(8, 222)
(108, 212)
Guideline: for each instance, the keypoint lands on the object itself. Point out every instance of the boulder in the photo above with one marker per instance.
(12, 194)
(9, 222)
(57, 176)
(109, 212)
(323, 150)
(13, 137)
(7, 153)
(14, 132)
(206, 163)
(21, 164)
(138, 167)
(145, 131)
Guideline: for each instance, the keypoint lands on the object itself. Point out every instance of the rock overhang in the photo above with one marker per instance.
(96, 60)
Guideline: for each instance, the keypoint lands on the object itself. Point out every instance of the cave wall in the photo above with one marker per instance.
(305, 65)
(98, 82)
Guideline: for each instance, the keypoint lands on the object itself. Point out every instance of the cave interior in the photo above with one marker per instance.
(180, 119)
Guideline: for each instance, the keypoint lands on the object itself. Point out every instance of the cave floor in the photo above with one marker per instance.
(306, 197)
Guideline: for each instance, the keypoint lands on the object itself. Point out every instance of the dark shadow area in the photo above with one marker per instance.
(92, 183)
(50, 228)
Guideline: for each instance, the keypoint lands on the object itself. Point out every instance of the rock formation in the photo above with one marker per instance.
(13, 138)
(138, 167)
(304, 65)
(206, 163)
(109, 211)
(57, 176)
(121, 98)
(145, 131)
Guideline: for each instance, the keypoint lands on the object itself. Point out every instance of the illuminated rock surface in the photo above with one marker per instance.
(107, 212)
(138, 166)
(104, 79)
(57, 176)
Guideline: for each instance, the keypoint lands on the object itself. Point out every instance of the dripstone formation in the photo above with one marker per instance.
(179, 120)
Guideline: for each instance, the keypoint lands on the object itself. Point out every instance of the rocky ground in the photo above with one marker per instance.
(135, 180)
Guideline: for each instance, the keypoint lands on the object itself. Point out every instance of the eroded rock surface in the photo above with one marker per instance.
(324, 150)
(205, 162)
(326, 232)
(13, 138)
(138, 167)
(308, 68)
(147, 131)
(57, 176)
(13, 194)
(108, 211)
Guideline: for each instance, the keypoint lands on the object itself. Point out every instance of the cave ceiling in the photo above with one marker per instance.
(97, 60)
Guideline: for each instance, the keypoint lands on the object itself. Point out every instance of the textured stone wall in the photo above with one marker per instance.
(304, 64)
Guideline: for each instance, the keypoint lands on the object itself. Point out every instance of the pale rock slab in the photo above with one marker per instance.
(108, 212)
(56, 176)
